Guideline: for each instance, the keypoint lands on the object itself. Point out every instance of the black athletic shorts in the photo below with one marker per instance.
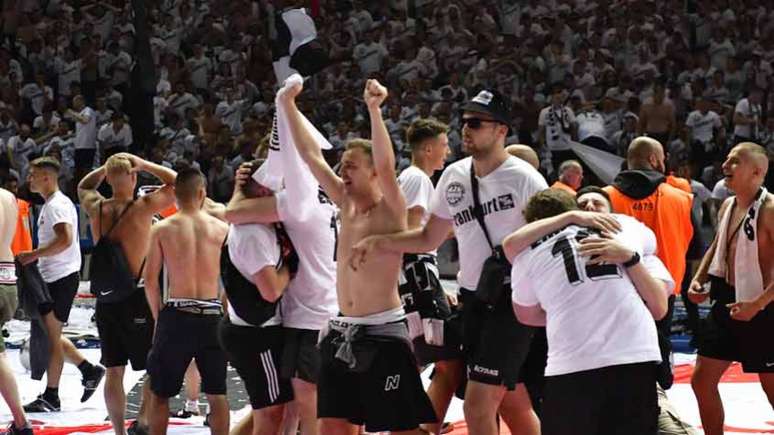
(300, 356)
(496, 346)
(180, 337)
(63, 293)
(255, 353)
(721, 337)
(615, 400)
(84, 157)
(125, 331)
(387, 396)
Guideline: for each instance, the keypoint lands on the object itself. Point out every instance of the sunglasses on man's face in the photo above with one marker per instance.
(476, 123)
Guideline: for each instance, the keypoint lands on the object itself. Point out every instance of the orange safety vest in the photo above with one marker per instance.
(561, 186)
(667, 211)
(169, 211)
(22, 238)
(680, 183)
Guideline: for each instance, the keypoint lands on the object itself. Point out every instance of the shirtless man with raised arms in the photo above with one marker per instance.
(368, 374)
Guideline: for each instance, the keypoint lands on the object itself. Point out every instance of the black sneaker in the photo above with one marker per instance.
(91, 381)
(136, 429)
(42, 405)
(13, 430)
(183, 413)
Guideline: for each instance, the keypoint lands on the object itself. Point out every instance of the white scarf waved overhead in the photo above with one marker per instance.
(284, 166)
(748, 280)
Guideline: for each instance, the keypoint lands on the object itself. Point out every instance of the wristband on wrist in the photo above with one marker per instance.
(632, 261)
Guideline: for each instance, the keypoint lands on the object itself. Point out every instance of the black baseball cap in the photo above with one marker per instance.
(492, 103)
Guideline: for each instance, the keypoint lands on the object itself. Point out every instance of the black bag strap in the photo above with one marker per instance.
(114, 222)
(478, 210)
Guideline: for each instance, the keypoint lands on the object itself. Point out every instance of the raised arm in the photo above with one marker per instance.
(384, 157)
(242, 210)
(310, 152)
(152, 272)
(88, 195)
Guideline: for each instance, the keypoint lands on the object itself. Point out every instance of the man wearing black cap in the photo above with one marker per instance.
(495, 344)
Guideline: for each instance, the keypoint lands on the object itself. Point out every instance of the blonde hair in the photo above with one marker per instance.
(117, 163)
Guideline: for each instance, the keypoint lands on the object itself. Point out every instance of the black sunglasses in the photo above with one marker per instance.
(475, 123)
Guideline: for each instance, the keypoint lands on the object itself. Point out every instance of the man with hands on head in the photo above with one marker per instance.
(368, 374)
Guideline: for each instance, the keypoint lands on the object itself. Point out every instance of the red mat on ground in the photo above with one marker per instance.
(734, 374)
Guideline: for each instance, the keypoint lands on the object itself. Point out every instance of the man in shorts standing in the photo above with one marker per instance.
(368, 374)
(125, 325)
(495, 344)
(189, 245)
(8, 304)
(59, 261)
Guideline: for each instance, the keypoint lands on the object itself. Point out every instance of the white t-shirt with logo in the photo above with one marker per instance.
(310, 299)
(418, 190)
(749, 110)
(86, 134)
(503, 195)
(595, 317)
(703, 124)
(252, 247)
(558, 126)
(58, 209)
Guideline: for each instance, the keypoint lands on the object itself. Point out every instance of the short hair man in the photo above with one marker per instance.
(124, 321)
(496, 345)
(524, 152)
(570, 176)
(382, 390)
(59, 261)
(189, 245)
(8, 303)
(739, 325)
(583, 279)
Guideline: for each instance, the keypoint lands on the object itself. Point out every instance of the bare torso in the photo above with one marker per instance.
(659, 117)
(765, 237)
(8, 214)
(132, 230)
(190, 245)
(373, 287)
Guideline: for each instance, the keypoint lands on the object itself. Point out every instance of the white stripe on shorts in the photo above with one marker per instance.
(271, 375)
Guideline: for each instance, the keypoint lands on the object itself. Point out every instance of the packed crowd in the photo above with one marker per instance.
(673, 91)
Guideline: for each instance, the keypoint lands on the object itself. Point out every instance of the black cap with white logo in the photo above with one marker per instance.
(491, 103)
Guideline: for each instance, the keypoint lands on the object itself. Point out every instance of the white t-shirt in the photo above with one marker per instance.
(418, 190)
(310, 299)
(252, 247)
(37, 96)
(58, 209)
(558, 125)
(231, 114)
(503, 194)
(703, 125)
(749, 110)
(201, 69)
(591, 124)
(594, 316)
(86, 134)
(369, 57)
(108, 138)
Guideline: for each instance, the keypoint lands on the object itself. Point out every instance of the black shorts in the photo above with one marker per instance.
(300, 356)
(496, 346)
(84, 158)
(615, 400)
(255, 353)
(63, 293)
(180, 337)
(452, 346)
(125, 331)
(386, 396)
(721, 337)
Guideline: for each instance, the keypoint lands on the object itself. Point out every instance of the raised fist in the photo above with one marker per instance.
(374, 93)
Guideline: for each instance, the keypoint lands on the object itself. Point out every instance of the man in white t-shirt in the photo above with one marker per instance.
(427, 307)
(603, 343)
(85, 135)
(59, 260)
(705, 129)
(500, 352)
(115, 137)
(38, 94)
(747, 117)
(557, 127)
(255, 276)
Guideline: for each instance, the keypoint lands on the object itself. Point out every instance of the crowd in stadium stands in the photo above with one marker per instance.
(598, 72)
